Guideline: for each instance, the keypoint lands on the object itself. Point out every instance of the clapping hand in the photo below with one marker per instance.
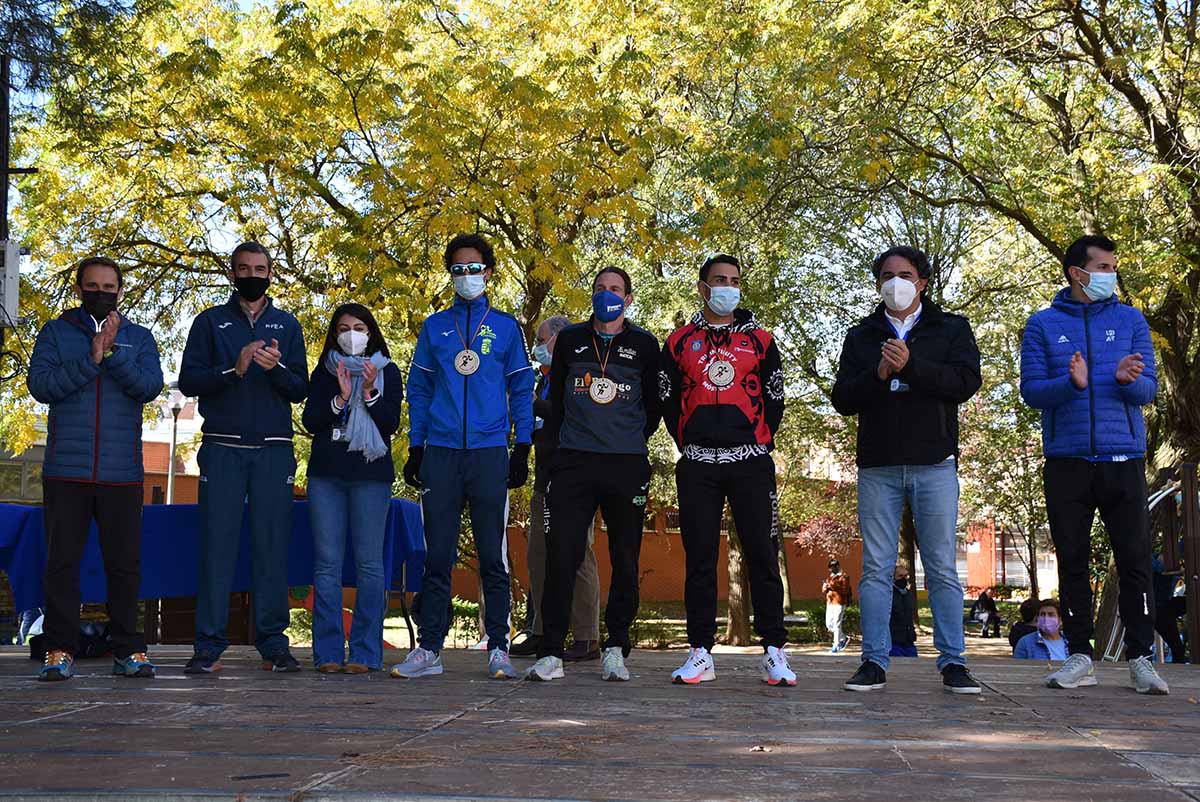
(1079, 371)
(268, 356)
(1130, 368)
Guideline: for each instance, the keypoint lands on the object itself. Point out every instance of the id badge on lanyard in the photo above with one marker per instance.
(896, 385)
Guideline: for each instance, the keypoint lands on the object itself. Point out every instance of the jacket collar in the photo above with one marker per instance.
(930, 313)
(1063, 302)
(478, 305)
(743, 321)
(81, 319)
(235, 305)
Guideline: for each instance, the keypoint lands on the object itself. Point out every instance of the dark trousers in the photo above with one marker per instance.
(69, 509)
(1166, 622)
(231, 478)
(452, 478)
(1075, 490)
(749, 485)
(581, 483)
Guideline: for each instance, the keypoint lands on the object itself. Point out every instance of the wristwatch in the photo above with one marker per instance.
(108, 353)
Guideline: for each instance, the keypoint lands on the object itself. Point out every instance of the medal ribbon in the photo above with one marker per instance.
(607, 354)
(465, 345)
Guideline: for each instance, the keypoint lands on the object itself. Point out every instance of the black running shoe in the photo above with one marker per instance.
(282, 663)
(527, 645)
(202, 663)
(869, 677)
(956, 679)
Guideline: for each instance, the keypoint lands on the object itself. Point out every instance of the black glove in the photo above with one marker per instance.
(518, 466)
(412, 468)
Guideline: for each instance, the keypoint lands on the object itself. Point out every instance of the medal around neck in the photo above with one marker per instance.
(721, 373)
(466, 362)
(603, 390)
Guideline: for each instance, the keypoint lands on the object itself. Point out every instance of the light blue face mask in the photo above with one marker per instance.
(470, 287)
(1100, 286)
(541, 354)
(723, 300)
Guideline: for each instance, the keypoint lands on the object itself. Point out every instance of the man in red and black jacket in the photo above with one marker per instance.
(722, 390)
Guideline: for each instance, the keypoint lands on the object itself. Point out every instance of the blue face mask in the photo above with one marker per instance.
(608, 306)
(541, 354)
(1100, 286)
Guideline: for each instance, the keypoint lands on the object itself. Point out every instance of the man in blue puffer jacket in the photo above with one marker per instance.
(246, 362)
(1088, 364)
(470, 383)
(95, 370)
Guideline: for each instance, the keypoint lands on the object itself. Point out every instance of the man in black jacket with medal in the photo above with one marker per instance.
(904, 370)
(603, 408)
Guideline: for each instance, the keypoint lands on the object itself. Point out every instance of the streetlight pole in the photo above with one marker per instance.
(176, 408)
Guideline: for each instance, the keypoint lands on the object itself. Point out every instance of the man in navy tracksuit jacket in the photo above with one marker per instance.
(95, 370)
(1087, 363)
(245, 360)
(470, 383)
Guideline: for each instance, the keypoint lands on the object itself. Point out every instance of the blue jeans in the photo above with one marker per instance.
(932, 492)
(359, 509)
(229, 479)
(450, 479)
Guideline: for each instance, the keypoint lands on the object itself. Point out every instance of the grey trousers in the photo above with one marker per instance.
(585, 608)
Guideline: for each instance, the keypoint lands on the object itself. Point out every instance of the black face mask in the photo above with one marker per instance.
(902, 584)
(251, 288)
(99, 303)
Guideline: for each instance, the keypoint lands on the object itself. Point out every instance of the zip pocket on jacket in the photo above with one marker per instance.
(1053, 421)
(1129, 420)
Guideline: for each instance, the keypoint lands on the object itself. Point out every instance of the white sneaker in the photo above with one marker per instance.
(775, 669)
(1145, 679)
(1077, 672)
(612, 665)
(499, 666)
(697, 668)
(545, 669)
(419, 663)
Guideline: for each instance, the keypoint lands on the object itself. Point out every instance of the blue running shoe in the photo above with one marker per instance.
(57, 667)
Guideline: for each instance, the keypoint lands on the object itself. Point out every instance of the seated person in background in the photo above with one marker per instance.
(904, 610)
(984, 611)
(1047, 643)
(1028, 611)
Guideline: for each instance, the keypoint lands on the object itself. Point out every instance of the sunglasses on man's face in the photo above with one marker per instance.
(467, 269)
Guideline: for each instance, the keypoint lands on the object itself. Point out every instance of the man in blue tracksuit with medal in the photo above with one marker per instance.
(470, 378)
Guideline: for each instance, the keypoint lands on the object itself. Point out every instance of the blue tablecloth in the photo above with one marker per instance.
(171, 546)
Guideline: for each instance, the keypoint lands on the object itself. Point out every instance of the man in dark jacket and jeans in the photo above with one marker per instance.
(1087, 363)
(245, 360)
(904, 370)
(95, 370)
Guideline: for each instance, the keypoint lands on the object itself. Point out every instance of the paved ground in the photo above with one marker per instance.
(252, 734)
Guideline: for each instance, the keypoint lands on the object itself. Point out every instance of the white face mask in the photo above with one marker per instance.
(353, 343)
(470, 287)
(898, 293)
(723, 300)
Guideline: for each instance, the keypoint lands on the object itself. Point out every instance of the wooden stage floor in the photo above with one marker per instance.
(250, 734)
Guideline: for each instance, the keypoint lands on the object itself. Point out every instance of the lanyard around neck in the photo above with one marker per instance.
(465, 344)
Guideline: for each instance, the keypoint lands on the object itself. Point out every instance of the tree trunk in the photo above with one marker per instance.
(783, 574)
(908, 554)
(737, 631)
(1034, 590)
